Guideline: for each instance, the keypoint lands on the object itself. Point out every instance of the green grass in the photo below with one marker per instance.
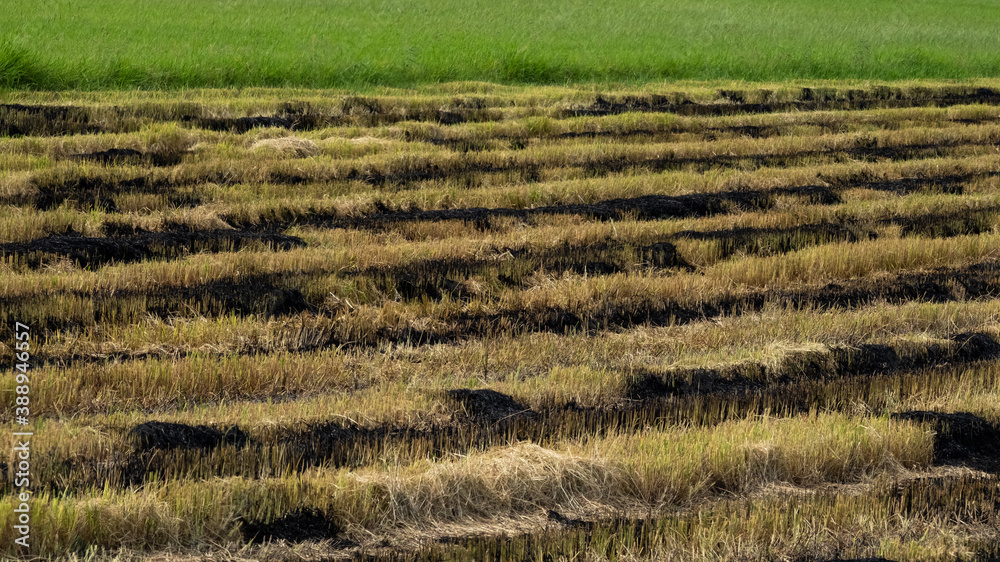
(143, 43)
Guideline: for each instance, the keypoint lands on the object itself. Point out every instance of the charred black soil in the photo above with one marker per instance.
(667, 133)
(436, 278)
(645, 207)
(857, 362)
(242, 124)
(99, 192)
(962, 439)
(975, 500)
(489, 406)
(281, 294)
(92, 252)
(942, 285)
(865, 149)
(163, 435)
(129, 156)
(25, 119)
(972, 498)
(773, 241)
(297, 526)
(810, 99)
(805, 381)
(260, 295)
(18, 120)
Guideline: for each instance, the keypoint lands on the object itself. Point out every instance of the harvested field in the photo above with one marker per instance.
(530, 323)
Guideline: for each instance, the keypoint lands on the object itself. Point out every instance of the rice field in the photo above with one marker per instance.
(148, 44)
(470, 321)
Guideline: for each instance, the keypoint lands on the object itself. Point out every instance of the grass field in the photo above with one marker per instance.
(475, 321)
(61, 44)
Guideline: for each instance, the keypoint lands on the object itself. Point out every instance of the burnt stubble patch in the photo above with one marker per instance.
(962, 439)
(304, 524)
(93, 252)
(128, 156)
(489, 406)
(154, 435)
(18, 120)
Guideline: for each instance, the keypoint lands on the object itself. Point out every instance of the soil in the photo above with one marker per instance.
(30, 120)
(942, 285)
(162, 435)
(795, 386)
(298, 526)
(962, 439)
(600, 167)
(766, 241)
(655, 386)
(111, 156)
(649, 207)
(20, 120)
(258, 294)
(862, 361)
(872, 559)
(119, 156)
(809, 100)
(559, 519)
(242, 124)
(265, 295)
(436, 278)
(976, 346)
(99, 191)
(501, 142)
(489, 406)
(987, 551)
(646, 207)
(92, 252)
(277, 295)
(89, 192)
(948, 183)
